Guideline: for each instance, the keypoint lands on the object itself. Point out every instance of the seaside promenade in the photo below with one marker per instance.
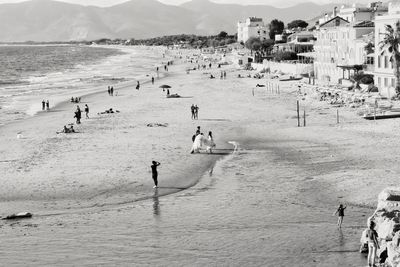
(269, 204)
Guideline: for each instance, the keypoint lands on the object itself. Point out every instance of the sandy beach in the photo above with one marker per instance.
(268, 204)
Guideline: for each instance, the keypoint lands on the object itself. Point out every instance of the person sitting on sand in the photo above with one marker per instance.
(64, 130)
(212, 76)
(71, 129)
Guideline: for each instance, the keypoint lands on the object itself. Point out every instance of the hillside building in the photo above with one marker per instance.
(252, 27)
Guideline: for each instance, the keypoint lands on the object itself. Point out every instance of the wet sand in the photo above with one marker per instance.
(269, 204)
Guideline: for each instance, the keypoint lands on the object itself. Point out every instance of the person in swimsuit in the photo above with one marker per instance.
(340, 213)
(154, 172)
(373, 245)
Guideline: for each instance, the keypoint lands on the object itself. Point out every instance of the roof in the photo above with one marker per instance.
(365, 24)
(342, 20)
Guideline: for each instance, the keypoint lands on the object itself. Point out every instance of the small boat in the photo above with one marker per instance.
(290, 78)
(382, 116)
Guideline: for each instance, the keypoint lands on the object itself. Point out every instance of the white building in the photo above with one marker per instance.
(355, 13)
(339, 49)
(340, 46)
(384, 73)
(252, 27)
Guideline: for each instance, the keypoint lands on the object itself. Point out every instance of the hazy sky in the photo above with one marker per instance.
(277, 3)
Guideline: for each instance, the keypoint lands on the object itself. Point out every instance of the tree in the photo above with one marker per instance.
(253, 43)
(298, 23)
(391, 43)
(267, 44)
(275, 27)
(222, 35)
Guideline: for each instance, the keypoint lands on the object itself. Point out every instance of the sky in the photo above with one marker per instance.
(276, 3)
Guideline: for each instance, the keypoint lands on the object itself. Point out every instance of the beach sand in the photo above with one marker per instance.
(93, 202)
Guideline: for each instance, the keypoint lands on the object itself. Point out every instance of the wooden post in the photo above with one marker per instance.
(337, 116)
(298, 113)
(304, 117)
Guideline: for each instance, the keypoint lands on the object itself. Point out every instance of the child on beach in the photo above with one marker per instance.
(340, 213)
(154, 172)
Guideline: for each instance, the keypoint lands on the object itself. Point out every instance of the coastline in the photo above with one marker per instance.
(100, 179)
(63, 111)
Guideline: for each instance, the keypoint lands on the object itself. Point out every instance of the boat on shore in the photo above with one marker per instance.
(289, 78)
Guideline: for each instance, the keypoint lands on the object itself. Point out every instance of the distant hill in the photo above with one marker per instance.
(47, 20)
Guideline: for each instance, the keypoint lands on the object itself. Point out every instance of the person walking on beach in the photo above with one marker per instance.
(109, 90)
(154, 172)
(340, 213)
(224, 75)
(78, 115)
(47, 105)
(137, 85)
(196, 112)
(210, 142)
(373, 244)
(87, 111)
(43, 105)
(192, 110)
(112, 91)
(152, 80)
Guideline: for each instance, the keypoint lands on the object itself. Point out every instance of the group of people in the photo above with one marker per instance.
(45, 105)
(110, 91)
(75, 99)
(67, 130)
(199, 140)
(223, 75)
(195, 112)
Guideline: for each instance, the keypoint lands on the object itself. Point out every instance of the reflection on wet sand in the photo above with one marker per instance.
(156, 203)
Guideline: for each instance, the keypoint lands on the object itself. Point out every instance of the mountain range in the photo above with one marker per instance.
(48, 20)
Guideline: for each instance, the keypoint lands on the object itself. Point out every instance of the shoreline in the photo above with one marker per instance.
(124, 90)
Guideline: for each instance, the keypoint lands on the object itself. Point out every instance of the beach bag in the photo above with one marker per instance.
(364, 248)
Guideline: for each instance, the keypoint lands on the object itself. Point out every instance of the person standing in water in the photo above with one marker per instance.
(154, 172)
(43, 105)
(340, 213)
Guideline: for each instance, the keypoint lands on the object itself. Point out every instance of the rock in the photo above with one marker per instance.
(20, 215)
(387, 220)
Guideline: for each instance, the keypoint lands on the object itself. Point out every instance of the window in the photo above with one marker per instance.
(379, 61)
(386, 62)
(393, 82)
(379, 81)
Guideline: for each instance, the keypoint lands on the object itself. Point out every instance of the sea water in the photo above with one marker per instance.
(238, 214)
(32, 73)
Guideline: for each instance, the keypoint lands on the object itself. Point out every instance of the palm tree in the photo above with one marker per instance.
(391, 43)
